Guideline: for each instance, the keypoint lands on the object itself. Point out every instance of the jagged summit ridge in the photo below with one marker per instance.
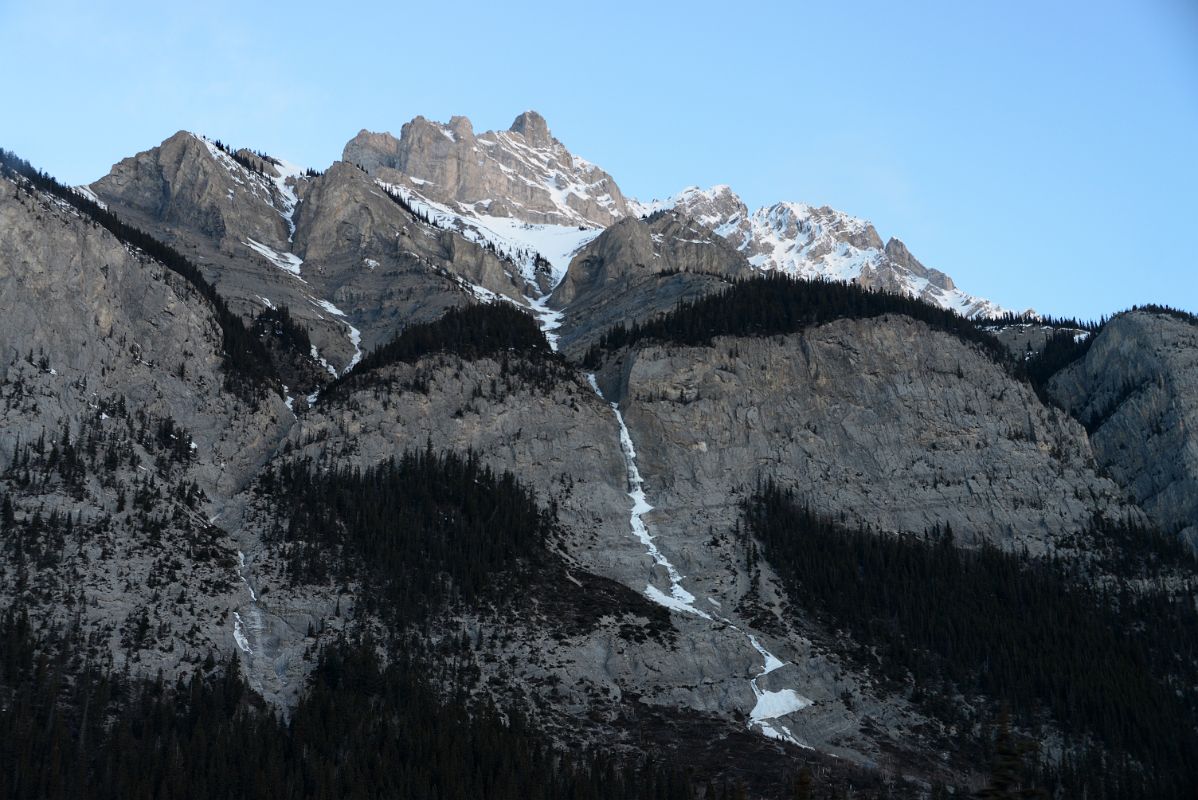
(821, 242)
(526, 176)
(523, 173)
(523, 192)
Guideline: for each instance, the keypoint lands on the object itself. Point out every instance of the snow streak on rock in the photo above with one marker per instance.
(355, 338)
(679, 599)
(288, 262)
(287, 199)
(248, 632)
(771, 705)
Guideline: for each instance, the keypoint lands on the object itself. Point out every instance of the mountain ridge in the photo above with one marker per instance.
(442, 163)
(667, 627)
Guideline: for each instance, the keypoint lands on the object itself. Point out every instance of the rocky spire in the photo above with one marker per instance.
(533, 128)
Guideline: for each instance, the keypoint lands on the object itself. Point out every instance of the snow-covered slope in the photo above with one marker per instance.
(821, 242)
(540, 251)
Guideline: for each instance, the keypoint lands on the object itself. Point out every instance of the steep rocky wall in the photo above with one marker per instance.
(563, 441)
(1136, 390)
(884, 420)
(99, 348)
(637, 269)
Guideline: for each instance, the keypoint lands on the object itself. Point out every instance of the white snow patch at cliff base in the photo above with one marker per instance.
(771, 705)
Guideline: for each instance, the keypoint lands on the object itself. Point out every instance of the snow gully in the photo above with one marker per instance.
(771, 706)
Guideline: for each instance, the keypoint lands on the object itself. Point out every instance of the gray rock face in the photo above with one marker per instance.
(636, 269)
(564, 442)
(351, 264)
(99, 344)
(522, 172)
(380, 265)
(189, 183)
(885, 420)
(1136, 390)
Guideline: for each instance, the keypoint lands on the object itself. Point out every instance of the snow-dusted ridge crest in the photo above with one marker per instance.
(807, 241)
(525, 193)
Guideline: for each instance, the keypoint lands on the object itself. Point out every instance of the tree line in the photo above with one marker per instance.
(423, 530)
(775, 304)
(471, 332)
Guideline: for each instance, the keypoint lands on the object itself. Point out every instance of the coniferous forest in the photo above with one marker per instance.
(471, 332)
(774, 304)
(363, 730)
(1114, 667)
(427, 529)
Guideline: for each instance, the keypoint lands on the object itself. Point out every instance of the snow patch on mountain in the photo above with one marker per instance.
(818, 242)
(521, 243)
(286, 176)
(355, 338)
(288, 262)
(86, 193)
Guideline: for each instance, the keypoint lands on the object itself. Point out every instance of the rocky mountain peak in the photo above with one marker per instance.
(190, 182)
(522, 173)
(821, 242)
(533, 128)
(372, 150)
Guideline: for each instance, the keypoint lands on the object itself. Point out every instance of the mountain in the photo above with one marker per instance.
(809, 242)
(426, 456)
(524, 191)
(522, 172)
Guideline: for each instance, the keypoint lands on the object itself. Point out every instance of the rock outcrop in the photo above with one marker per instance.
(522, 172)
(1136, 391)
(638, 268)
(884, 420)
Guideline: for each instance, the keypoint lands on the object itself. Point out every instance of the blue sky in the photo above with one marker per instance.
(1043, 154)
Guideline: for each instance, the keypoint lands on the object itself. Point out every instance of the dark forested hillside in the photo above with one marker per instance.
(429, 531)
(469, 332)
(1117, 665)
(1061, 349)
(363, 729)
(424, 529)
